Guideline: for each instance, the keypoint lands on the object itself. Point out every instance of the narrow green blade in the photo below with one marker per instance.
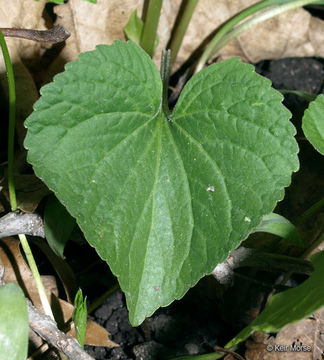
(289, 306)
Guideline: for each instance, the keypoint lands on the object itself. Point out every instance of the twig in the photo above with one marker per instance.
(12, 120)
(53, 36)
(46, 328)
(227, 351)
(250, 257)
(14, 224)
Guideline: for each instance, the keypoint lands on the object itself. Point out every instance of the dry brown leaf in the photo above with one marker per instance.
(22, 14)
(113, 15)
(62, 268)
(103, 23)
(96, 335)
(108, 18)
(91, 24)
(29, 191)
(16, 270)
(301, 333)
(286, 35)
(256, 349)
(307, 332)
(295, 33)
(207, 17)
(318, 348)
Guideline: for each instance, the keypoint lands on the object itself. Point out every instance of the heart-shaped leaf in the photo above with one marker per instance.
(162, 198)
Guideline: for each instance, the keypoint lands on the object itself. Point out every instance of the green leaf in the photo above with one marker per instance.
(272, 262)
(313, 123)
(56, 1)
(278, 225)
(163, 202)
(304, 95)
(13, 323)
(289, 306)
(58, 225)
(79, 316)
(134, 27)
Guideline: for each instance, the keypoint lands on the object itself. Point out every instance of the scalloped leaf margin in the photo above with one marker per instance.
(163, 199)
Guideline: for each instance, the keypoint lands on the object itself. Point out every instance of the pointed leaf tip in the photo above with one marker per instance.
(162, 202)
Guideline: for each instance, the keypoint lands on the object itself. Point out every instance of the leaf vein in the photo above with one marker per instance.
(213, 162)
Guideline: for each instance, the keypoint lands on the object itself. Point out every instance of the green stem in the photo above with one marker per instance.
(37, 278)
(11, 184)
(183, 19)
(227, 33)
(310, 212)
(12, 116)
(144, 10)
(151, 23)
(165, 75)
